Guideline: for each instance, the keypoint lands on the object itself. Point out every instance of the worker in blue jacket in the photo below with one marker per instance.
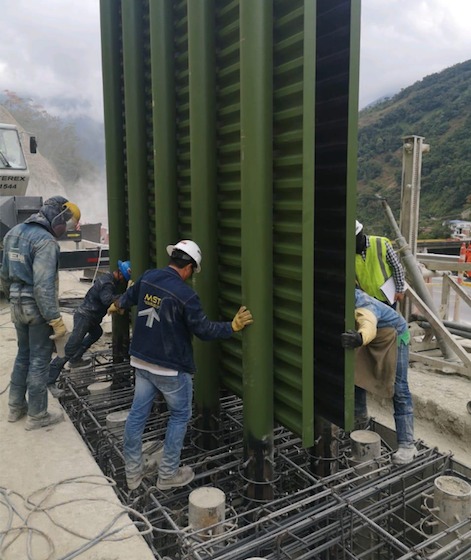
(87, 319)
(169, 313)
(371, 314)
(30, 280)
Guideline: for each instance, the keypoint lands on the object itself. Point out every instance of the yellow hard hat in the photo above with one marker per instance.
(74, 210)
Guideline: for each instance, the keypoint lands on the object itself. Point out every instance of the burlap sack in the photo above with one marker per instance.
(375, 364)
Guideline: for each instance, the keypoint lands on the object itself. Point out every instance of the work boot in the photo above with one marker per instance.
(16, 414)
(48, 419)
(150, 463)
(182, 477)
(55, 391)
(404, 455)
(81, 363)
(152, 446)
(134, 481)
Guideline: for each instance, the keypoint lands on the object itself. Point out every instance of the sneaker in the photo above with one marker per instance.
(16, 414)
(80, 363)
(182, 477)
(55, 391)
(404, 455)
(50, 418)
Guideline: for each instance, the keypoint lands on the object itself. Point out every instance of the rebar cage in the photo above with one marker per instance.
(372, 510)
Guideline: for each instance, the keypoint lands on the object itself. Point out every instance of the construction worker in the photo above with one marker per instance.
(371, 314)
(29, 277)
(169, 313)
(87, 319)
(375, 263)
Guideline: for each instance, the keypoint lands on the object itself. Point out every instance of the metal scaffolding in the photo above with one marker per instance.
(370, 510)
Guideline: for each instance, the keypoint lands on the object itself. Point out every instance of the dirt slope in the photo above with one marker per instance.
(44, 179)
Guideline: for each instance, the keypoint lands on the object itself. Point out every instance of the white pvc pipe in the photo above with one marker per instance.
(452, 501)
(206, 507)
(99, 387)
(115, 422)
(366, 445)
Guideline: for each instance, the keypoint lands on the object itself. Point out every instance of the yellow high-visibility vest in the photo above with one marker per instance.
(373, 272)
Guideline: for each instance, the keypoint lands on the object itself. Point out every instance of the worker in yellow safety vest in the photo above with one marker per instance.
(375, 264)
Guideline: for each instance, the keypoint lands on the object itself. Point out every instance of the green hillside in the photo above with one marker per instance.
(439, 109)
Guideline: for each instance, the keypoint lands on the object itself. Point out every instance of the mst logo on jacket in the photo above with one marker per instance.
(152, 300)
(169, 313)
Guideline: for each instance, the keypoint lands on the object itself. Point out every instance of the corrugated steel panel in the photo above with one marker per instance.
(113, 83)
(182, 116)
(139, 142)
(293, 376)
(281, 220)
(228, 168)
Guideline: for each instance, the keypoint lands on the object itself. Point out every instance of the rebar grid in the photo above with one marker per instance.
(381, 520)
(370, 511)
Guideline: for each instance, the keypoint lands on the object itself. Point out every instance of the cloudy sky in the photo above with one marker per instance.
(51, 48)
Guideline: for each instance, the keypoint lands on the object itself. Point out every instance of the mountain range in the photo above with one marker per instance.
(437, 108)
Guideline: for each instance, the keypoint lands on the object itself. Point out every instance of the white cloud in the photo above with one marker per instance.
(51, 48)
(403, 41)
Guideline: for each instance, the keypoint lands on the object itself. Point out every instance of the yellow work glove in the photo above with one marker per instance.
(366, 323)
(113, 308)
(242, 318)
(59, 328)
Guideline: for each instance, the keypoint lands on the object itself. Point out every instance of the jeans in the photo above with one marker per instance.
(85, 333)
(178, 394)
(31, 366)
(402, 400)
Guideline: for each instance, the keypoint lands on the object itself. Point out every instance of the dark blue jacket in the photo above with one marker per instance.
(169, 312)
(99, 297)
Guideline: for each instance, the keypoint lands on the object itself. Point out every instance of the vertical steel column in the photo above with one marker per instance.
(309, 119)
(351, 201)
(337, 52)
(163, 94)
(110, 13)
(256, 62)
(136, 138)
(326, 448)
(202, 83)
(412, 150)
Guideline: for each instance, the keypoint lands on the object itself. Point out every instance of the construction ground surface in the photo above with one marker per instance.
(52, 469)
(49, 480)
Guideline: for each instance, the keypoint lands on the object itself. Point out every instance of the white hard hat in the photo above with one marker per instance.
(358, 227)
(190, 248)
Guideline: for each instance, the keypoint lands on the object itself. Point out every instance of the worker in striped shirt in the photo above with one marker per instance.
(375, 263)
